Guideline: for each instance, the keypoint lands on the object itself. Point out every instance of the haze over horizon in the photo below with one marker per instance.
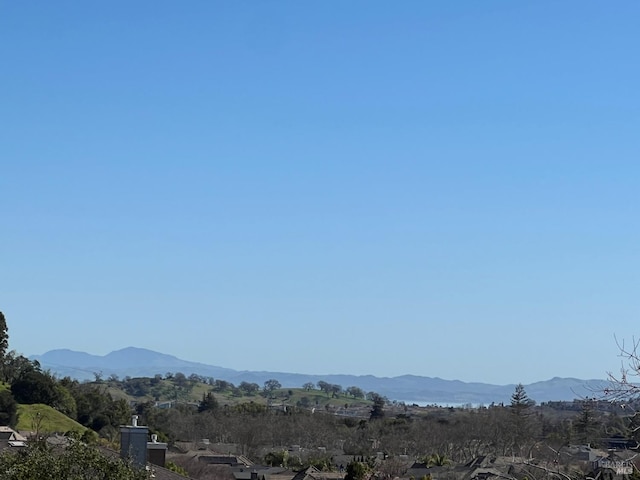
(431, 188)
(137, 350)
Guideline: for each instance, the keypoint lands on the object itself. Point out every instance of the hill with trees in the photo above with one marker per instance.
(137, 362)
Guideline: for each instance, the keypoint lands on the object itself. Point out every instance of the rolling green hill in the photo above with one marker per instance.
(44, 419)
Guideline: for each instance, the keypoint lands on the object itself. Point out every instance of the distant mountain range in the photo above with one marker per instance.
(140, 362)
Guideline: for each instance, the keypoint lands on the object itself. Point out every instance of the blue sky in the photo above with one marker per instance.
(436, 188)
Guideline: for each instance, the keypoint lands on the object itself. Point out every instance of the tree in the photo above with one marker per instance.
(4, 337)
(249, 388)
(8, 409)
(437, 460)
(64, 401)
(308, 386)
(180, 380)
(77, 461)
(4, 346)
(324, 387)
(355, 392)
(275, 459)
(377, 411)
(520, 409)
(356, 471)
(208, 403)
(520, 401)
(271, 385)
(14, 366)
(336, 390)
(623, 387)
(35, 387)
(95, 408)
(221, 386)
(586, 424)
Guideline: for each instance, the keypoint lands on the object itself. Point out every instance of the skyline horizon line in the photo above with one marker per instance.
(377, 376)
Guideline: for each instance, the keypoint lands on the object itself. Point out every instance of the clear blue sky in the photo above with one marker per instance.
(429, 187)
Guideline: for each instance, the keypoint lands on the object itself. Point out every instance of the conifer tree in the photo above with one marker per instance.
(208, 403)
(4, 345)
(521, 409)
(4, 336)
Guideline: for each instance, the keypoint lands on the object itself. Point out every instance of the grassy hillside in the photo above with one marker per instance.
(145, 389)
(45, 419)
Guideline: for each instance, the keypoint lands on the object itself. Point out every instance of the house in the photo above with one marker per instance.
(160, 473)
(10, 439)
(480, 468)
(313, 473)
(209, 465)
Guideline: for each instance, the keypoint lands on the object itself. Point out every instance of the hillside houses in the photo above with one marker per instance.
(206, 461)
(579, 462)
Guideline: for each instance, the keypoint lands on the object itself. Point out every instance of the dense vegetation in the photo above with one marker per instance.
(77, 461)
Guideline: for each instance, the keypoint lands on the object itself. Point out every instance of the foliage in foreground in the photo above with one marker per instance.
(78, 461)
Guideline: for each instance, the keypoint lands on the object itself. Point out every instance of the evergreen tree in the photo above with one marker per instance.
(520, 401)
(377, 411)
(208, 403)
(586, 424)
(4, 336)
(8, 409)
(521, 410)
(4, 345)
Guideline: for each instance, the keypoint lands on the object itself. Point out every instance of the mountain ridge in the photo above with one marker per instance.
(142, 362)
